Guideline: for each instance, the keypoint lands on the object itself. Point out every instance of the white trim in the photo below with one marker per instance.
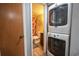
(27, 28)
(45, 28)
(31, 32)
(24, 28)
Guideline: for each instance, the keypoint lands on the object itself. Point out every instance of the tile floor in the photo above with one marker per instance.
(38, 51)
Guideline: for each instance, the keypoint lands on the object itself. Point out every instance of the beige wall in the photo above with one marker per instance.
(38, 12)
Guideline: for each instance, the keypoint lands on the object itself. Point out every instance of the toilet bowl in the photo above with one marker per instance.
(36, 39)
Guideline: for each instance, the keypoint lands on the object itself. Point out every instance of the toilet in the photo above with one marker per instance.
(36, 40)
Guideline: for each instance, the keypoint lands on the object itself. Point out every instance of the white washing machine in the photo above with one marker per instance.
(59, 18)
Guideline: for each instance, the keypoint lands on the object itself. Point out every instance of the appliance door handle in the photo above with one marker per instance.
(20, 38)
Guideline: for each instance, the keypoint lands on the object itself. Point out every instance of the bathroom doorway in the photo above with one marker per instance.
(37, 29)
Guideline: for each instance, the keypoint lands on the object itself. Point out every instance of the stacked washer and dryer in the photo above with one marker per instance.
(63, 29)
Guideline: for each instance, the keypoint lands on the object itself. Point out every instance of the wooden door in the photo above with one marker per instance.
(12, 30)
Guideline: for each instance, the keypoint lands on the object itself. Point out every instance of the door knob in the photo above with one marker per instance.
(20, 38)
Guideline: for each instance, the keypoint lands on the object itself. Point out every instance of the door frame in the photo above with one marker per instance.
(27, 26)
(45, 27)
(27, 29)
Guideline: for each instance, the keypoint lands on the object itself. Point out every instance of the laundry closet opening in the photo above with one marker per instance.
(37, 29)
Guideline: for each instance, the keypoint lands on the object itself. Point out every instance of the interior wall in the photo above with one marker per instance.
(38, 14)
(27, 29)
